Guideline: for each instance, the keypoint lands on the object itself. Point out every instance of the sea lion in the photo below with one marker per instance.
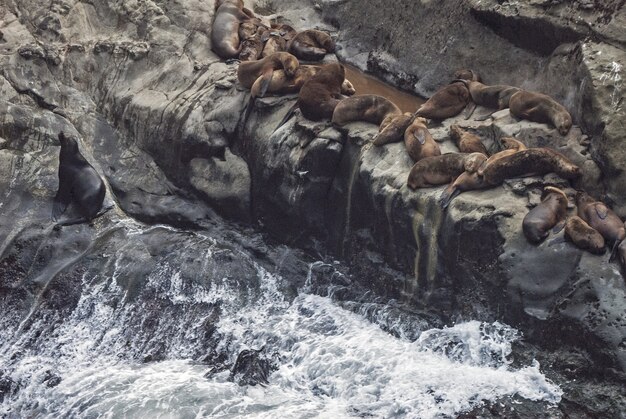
(497, 96)
(601, 218)
(583, 235)
(281, 84)
(79, 183)
(225, 29)
(437, 170)
(474, 180)
(529, 162)
(446, 102)
(320, 94)
(249, 71)
(311, 45)
(277, 39)
(368, 108)
(466, 74)
(549, 213)
(467, 142)
(251, 44)
(541, 108)
(418, 141)
(392, 128)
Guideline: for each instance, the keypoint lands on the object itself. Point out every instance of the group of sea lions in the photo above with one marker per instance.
(274, 67)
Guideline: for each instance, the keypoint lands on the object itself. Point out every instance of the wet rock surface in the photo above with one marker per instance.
(157, 113)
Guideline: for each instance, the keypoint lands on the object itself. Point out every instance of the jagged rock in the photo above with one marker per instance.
(225, 183)
(157, 111)
(251, 368)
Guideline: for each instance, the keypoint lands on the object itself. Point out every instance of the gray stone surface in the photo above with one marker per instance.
(157, 115)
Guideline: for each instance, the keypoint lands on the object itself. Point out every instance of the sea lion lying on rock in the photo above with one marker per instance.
(529, 162)
(495, 97)
(311, 45)
(225, 29)
(277, 39)
(584, 236)
(446, 102)
(280, 83)
(474, 180)
(249, 71)
(368, 108)
(392, 128)
(548, 214)
(438, 170)
(541, 108)
(252, 42)
(467, 142)
(601, 218)
(418, 141)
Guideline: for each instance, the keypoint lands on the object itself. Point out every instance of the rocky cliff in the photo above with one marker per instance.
(157, 113)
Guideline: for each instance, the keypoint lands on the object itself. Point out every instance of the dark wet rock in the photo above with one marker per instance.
(157, 114)
(251, 368)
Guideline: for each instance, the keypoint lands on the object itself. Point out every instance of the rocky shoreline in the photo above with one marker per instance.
(157, 112)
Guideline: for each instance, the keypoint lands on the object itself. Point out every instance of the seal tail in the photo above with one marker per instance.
(448, 195)
(287, 116)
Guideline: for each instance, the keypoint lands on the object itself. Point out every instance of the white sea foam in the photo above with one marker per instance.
(331, 362)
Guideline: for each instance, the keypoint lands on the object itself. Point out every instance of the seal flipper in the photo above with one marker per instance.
(288, 115)
(557, 240)
(266, 79)
(420, 135)
(471, 108)
(614, 250)
(80, 220)
(558, 227)
(448, 195)
(246, 113)
(601, 210)
(61, 200)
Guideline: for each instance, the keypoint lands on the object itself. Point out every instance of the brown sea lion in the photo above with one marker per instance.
(392, 128)
(548, 214)
(368, 108)
(277, 39)
(282, 84)
(446, 102)
(529, 162)
(497, 96)
(252, 43)
(466, 74)
(601, 218)
(249, 71)
(541, 108)
(225, 29)
(418, 141)
(320, 94)
(583, 235)
(467, 142)
(311, 45)
(474, 180)
(437, 170)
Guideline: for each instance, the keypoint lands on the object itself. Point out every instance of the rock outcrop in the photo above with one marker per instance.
(158, 112)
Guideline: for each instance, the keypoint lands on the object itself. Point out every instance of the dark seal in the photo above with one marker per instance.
(79, 183)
